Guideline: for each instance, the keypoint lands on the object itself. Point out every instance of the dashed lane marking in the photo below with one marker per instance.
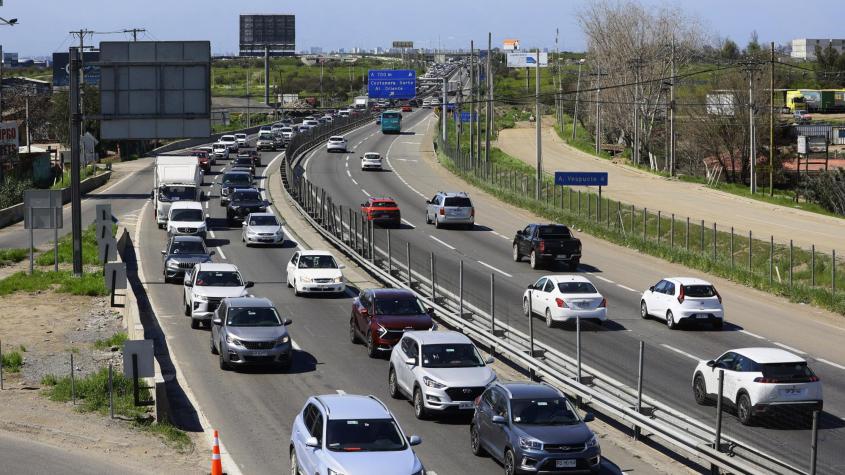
(354, 180)
(408, 223)
(365, 192)
(785, 347)
(220, 250)
(442, 242)
(831, 363)
(626, 287)
(495, 269)
(753, 335)
(680, 352)
(604, 279)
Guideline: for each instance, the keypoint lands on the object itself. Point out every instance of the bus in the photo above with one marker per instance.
(391, 122)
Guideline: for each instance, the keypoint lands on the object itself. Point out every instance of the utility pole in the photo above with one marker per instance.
(752, 155)
(489, 123)
(637, 63)
(558, 96)
(81, 34)
(577, 92)
(321, 80)
(248, 111)
(28, 134)
(1, 96)
(537, 120)
(598, 110)
(267, 75)
(443, 111)
(134, 32)
(471, 102)
(74, 64)
(477, 118)
(772, 121)
(672, 113)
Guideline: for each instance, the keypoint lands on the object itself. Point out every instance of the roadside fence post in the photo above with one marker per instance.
(633, 211)
(357, 223)
(589, 207)
(672, 233)
(579, 202)
(645, 218)
(750, 243)
(833, 271)
(389, 256)
(111, 392)
(702, 237)
(732, 247)
(340, 214)
(771, 257)
(72, 382)
(408, 256)
(686, 238)
(1, 365)
(373, 242)
(814, 443)
(715, 255)
(493, 304)
(461, 289)
(530, 324)
(639, 388)
(432, 269)
(658, 227)
(790, 263)
(813, 265)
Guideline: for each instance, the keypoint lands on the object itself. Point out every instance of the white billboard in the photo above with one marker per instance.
(527, 60)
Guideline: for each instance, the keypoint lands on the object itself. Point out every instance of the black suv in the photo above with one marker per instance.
(244, 161)
(243, 201)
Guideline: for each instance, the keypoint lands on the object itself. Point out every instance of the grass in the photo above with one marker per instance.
(85, 172)
(92, 393)
(115, 340)
(171, 435)
(12, 361)
(12, 256)
(90, 250)
(91, 284)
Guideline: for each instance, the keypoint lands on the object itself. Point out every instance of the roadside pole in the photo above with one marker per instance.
(267, 75)
(471, 103)
(672, 114)
(75, 131)
(537, 192)
(489, 99)
(577, 92)
(443, 112)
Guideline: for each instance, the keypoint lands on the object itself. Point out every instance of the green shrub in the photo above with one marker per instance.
(12, 256)
(12, 361)
(115, 340)
(92, 392)
(91, 284)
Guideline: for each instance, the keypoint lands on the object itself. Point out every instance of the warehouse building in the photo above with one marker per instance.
(805, 48)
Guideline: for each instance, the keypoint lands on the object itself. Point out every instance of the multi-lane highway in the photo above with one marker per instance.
(754, 318)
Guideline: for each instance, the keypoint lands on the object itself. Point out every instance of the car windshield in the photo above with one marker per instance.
(317, 262)
(399, 306)
(699, 291)
(263, 221)
(363, 435)
(219, 146)
(788, 372)
(227, 138)
(372, 156)
(458, 202)
(187, 247)
(186, 215)
(253, 317)
(543, 412)
(246, 196)
(176, 193)
(456, 355)
(554, 231)
(382, 204)
(576, 288)
(219, 279)
(390, 115)
(236, 179)
(243, 161)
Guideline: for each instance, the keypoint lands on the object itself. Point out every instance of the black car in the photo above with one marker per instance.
(244, 201)
(182, 253)
(232, 180)
(547, 243)
(244, 162)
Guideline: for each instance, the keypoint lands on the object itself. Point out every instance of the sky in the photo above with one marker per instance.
(331, 24)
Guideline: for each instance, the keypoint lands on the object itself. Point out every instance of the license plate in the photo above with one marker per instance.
(260, 353)
(465, 405)
(791, 391)
(700, 315)
(568, 463)
(582, 304)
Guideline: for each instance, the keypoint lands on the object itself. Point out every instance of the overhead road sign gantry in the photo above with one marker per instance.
(392, 83)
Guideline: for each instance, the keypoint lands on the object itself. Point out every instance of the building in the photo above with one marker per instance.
(316, 50)
(805, 48)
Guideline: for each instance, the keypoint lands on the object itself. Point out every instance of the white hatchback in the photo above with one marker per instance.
(564, 298)
(683, 299)
(759, 381)
(371, 161)
(336, 143)
(315, 272)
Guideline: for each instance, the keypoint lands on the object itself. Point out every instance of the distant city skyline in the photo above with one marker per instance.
(44, 25)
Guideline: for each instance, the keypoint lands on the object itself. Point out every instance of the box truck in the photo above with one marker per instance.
(177, 178)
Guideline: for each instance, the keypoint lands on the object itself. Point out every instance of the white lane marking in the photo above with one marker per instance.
(681, 352)
(625, 287)
(211, 233)
(305, 165)
(495, 269)
(295, 345)
(220, 250)
(408, 223)
(354, 180)
(399, 175)
(442, 242)
(347, 172)
(341, 392)
(365, 192)
(602, 278)
(785, 347)
(835, 365)
(753, 335)
(206, 205)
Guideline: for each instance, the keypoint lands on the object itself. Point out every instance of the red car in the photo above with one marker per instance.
(383, 211)
(407, 109)
(381, 316)
(202, 159)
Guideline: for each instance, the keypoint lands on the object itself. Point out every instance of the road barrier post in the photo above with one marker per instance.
(717, 442)
(589, 206)
(492, 304)
(639, 388)
(790, 263)
(1, 365)
(354, 232)
(72, 382)
(530, 324)
(389, 256)
(579, 202)
(111, 392)
(771, 257)
(672, 232)
(813, 265)
(408, 256)
(658, 227)
(433, 291)
(702, 237)
(645, 228)
(750, 243)
(578, 348)
(732, 247)
(461, 289)
(814, 443)
(372, 242)
(715, 256)
(833, 271)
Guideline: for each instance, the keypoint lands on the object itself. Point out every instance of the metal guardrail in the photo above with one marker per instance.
(613, 397)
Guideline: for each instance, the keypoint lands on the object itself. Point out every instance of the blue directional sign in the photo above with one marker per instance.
(581, 178)
(392, 83)
(465, 116)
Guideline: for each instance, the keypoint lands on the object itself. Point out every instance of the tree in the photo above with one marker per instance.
(730, 50)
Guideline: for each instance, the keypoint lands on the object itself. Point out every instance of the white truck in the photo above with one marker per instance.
(177, 178)
(361, 102)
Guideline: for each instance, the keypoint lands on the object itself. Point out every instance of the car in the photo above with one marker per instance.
(323, 120)
(564, 298)
(343, 113)
(336, 143)
(221, 151)
(244, 161)
(252, 155)
(181, 254)
(546, 243)
(382, 211)
(302, 129)
(438, 371)
(206, 285)
(450, 208)
(209, 150)
(349, 434)
(759, 381)
(241, 139)
(533, 428)
(262, 228)
(311, 122)
(328, 118)
(242, 168)
(230, 141)
(315, 272)
(287, 134)
(407, 108)
(186, 218)
(242, 202)
(266, 141)
(265, 128)
(249, 331)
(680, 300)
(203, 159)
(371, 161)
(232, 180)
(380, 317)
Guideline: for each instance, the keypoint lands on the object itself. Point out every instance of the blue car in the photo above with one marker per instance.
(533, 428)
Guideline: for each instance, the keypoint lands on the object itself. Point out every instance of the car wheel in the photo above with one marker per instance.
(670, 320)
(699, 390)
(525, 310)
(643, 310)
(437, 224)
(353, 337)
(296, 292)
(718, 324)
(187, 309)
(533, 259)
(223, 364)
(743, 409)
(516, 256)
(419, 407)
(213, 348)
(573, 265)
(372, 348)
(294, 463)
(474, 442)
(510, 465)
(549, 322)
(195, 324)
(392, 386)
(427, 219)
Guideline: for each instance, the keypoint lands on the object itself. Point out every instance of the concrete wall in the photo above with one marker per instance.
(13, 214)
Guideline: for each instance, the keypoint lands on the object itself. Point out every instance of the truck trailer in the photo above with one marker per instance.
(176, 178)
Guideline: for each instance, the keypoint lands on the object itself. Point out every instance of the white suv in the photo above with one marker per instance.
(438, 371)
(683, 299)
(759, 381)
(206, 285)
(221, 150)
(230, 141)
(240, 138)
(336, 143)
(186, 218)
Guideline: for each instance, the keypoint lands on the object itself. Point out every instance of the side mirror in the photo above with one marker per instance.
(341, 266)
(589, 417)
(243, 225)
(217, 321)
(428, 202)
(287, 321)
(429, 310)
(312, 442)
(414, 440)
(249, 284)
(211, 253)
(411, 361)
(711, 364)
(497, 420)
(651, 289)
(489, 360)
(163, 252)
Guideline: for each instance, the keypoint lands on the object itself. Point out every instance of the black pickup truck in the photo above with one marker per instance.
(544, 243)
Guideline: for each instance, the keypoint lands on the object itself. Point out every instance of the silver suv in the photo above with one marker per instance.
(448, 208)
(249, 330)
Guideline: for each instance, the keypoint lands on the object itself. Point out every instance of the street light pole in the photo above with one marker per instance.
(577, 92)
(537, 120)
(75, 131)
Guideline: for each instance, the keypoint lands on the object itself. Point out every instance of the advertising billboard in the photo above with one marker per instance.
(403, 44)
(510, 45)
(60, 68)
(8, 141)
(527, 60)
(278, 32)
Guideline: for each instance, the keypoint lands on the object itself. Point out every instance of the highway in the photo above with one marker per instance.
(753, 318)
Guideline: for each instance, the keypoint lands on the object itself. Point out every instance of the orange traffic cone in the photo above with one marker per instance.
(216, 464)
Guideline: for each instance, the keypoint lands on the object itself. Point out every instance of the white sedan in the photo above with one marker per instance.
(371, 161)
(683, 299)
(315, 272)
(564, 298)
(336, 143)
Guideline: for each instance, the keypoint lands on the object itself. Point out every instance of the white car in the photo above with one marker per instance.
(759, 381)
(206, 285)
(221, 150)
(371, 161)
(230, 141)
(683, 299)
(336, 143)
(343, 113)
(565, 298)
(438, 371)
(241, 139)
(262, 228)
(315, 271)
(186, 218)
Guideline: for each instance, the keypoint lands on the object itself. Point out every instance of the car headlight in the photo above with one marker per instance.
(432, 383)
(278, 232)
(338, 280)
(172, 264)
(283, 340)
(333, 472)
(200, 298)
(306, 279)
(381, 331)
(527, 443)
(233, 341)
(593, 442)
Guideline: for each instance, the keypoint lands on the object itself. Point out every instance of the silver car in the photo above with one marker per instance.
(249, 330)
(450, 208)
(262, 228)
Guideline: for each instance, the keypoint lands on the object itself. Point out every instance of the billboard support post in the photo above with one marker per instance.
(267, 74)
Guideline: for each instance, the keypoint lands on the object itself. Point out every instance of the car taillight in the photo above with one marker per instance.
(765, 380)
(603, 303)
(561, 303)
(541, 246)
(681, 295)
(717, 295)
(442, 211)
